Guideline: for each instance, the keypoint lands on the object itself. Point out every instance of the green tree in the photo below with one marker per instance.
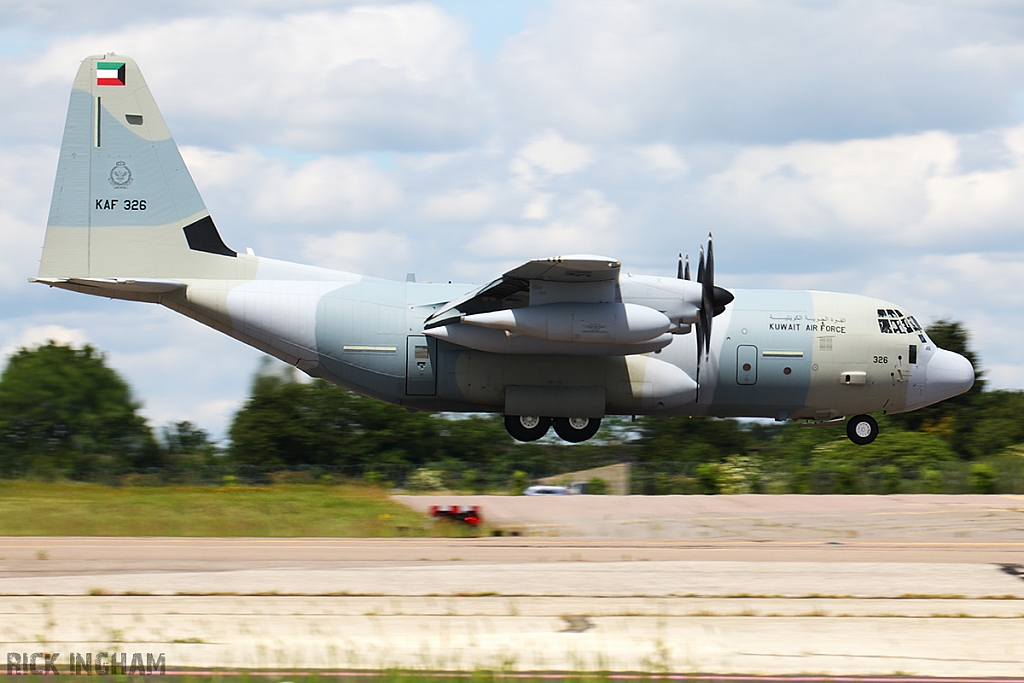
(184, 438)
(286, 424)
(518, 483)
(670, 447)
(63, 412)
(841, 466)
(983, 478)
(687, 441)
(991, 422)
(190, 457)
(709, 477)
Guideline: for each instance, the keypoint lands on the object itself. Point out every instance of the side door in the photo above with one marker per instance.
(746, 364)
(420, 353)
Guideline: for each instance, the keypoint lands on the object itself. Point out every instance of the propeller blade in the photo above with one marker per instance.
(686, 270)
(702, 318)
(709, 269)
(700, 351)
(707, 307)
(679, 268)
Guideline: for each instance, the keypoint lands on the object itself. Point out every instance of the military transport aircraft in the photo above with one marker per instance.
(559, 341)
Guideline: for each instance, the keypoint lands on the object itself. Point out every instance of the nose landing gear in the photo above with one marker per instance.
(862, 429)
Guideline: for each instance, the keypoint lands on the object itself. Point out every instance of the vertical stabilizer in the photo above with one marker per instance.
(124, 205)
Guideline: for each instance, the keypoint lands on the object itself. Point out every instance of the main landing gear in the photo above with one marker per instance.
(571, 429)
(862, 429)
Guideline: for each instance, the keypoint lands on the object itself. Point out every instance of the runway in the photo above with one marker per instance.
(925, 601)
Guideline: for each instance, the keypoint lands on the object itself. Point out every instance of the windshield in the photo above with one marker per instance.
(892, 321)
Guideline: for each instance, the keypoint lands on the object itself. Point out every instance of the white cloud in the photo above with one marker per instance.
(73, 15)
(761, 71)
(804, 189)
(39, 335)
(585, 224)
(26, 183)
(462, 205)
(370, 77)
(358, 252)
(274, 190)
(662, 157)
(902, 190)
(539, 207)
(554, 154)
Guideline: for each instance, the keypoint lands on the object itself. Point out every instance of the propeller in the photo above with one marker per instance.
(683, 271)
(713, 301)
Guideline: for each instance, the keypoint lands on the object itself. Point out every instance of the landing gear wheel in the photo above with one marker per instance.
(576, 429)
(862, 429)
(527, 427)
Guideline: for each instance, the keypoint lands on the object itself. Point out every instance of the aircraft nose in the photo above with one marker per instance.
(949, 374)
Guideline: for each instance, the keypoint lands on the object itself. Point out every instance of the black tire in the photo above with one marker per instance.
(571, 429)
(862, 429)
(527, 427)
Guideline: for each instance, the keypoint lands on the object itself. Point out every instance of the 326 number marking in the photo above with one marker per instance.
(881, 359)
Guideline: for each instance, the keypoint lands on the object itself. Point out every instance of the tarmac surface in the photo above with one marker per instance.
(919, 585)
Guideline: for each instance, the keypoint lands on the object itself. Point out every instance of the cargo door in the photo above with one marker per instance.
(746, 364)
(419, 372)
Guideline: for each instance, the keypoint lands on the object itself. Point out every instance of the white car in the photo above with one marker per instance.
(547, 491)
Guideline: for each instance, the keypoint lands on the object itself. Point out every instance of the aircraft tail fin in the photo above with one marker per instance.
(124, 204)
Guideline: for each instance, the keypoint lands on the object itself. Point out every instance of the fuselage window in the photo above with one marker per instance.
(913, 354)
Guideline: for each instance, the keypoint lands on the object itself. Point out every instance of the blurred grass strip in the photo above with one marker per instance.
(78, 509)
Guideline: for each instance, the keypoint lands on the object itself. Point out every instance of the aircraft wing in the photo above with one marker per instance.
(512, 290)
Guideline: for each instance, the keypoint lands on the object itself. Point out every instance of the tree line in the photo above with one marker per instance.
(64, 413)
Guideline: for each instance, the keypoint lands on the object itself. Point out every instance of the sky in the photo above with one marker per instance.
(868, 147)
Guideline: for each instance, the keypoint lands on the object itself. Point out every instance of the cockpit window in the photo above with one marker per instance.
(892, 321)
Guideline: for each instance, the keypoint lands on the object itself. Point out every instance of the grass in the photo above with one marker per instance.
(77, 509)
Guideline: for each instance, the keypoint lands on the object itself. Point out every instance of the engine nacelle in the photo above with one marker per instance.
(578, 323)
(680, 300)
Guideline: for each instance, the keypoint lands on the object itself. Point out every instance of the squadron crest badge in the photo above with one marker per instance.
(120, 175)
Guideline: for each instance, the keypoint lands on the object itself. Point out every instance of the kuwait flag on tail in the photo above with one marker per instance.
(109, 73)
